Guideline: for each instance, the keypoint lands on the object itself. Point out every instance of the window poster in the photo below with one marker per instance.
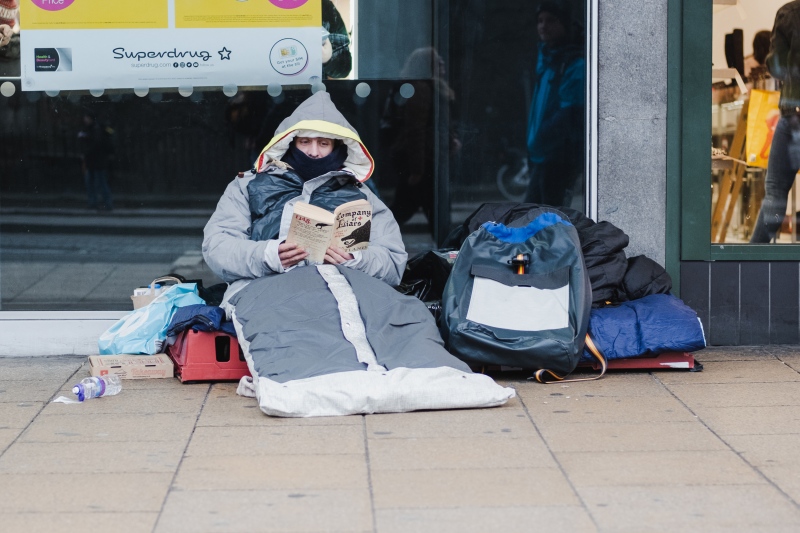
(247, 13)
(98, 44)
(93, 14)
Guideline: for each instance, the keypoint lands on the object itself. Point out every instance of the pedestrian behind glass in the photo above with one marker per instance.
(97, 149)
(556, 116)
(783, 63)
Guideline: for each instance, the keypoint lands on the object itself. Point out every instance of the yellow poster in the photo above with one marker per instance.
(247, 13)
(93, 14)
(762, 117)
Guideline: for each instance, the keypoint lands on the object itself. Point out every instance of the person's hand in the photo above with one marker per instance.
(290, 254)
(5, 34)
(336, 256)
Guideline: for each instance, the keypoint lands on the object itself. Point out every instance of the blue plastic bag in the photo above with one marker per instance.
(144, 330)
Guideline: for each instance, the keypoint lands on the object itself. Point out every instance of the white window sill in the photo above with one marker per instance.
(41, 333)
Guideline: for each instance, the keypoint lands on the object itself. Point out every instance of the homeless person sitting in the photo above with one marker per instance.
(336, 338)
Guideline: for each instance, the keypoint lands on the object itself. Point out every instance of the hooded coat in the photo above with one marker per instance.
(252, 218)
(328, 340)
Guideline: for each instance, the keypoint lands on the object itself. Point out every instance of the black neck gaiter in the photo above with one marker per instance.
(308, 168)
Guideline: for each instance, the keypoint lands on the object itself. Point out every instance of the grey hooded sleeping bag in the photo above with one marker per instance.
(328, 340)
(342, 342)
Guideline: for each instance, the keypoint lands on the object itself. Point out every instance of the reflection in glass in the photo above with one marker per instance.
(555, 133)
(101, 196)
(414, 145)
(96, 145)
(520, 137)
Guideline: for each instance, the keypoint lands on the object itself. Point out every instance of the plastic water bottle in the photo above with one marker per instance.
(94, 387)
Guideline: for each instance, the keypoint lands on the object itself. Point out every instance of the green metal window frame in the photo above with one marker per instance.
(689, 145)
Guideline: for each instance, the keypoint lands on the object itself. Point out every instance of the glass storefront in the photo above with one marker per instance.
(460, 103)
(745, 116)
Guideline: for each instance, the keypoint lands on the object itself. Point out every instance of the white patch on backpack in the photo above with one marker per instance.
(518, 308)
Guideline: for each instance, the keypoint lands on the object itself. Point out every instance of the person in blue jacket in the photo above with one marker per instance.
(556, 118)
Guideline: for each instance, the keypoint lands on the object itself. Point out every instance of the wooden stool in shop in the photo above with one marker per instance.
(730, 183)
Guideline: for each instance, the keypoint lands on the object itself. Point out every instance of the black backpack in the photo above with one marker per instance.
(520, 297)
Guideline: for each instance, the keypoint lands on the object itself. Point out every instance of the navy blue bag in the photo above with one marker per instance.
(654, 324)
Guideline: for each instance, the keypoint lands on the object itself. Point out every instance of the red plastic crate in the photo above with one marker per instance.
(207, 356)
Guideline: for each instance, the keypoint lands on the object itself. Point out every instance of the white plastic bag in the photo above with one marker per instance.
(144, 330)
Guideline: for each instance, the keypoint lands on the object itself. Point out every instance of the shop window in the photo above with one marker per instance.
(104, 188)
(746, 152)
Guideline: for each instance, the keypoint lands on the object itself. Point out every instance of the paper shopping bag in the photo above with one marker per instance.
(762, 116)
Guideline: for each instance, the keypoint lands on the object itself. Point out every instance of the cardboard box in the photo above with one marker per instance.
(132, 366)
(140, 301)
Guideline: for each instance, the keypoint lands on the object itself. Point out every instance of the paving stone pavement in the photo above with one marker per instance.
(633, 452)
